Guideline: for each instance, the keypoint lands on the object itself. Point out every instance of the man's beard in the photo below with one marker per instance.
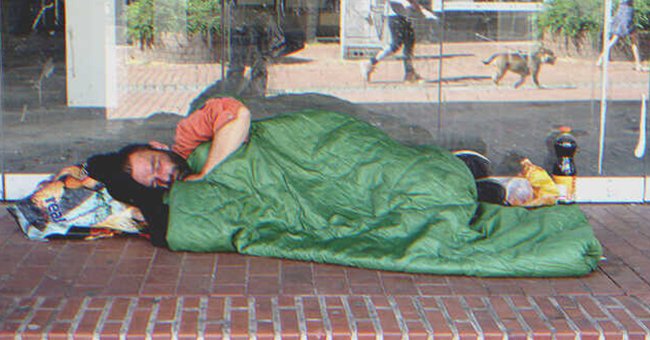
(182, 169)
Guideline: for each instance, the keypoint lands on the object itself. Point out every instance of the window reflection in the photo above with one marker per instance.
(158, 58)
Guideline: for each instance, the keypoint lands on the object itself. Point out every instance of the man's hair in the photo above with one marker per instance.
(125, 153)
(109, 168)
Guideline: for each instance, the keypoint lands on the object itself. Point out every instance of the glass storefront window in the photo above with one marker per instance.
(82, 77)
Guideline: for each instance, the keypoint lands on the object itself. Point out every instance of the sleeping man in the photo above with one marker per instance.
(152, 168)
(222, 122)
(321, 186)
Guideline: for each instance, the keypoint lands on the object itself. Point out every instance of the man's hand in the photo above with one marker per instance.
(193, 177)
(416, 6)
(413, 10)
(429, 14)
(158, 145)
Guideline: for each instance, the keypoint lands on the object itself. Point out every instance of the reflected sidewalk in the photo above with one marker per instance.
(158, 87)
(127, 288)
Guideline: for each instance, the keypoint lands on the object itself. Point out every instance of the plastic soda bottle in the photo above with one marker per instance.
(564, 170)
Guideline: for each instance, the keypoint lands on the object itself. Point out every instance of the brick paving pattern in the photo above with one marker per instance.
(125, 288)
(145, 89)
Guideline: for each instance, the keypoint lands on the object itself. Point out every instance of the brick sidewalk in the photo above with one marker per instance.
(125, 287)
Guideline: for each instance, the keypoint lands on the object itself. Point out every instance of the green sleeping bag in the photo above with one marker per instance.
(326, 187)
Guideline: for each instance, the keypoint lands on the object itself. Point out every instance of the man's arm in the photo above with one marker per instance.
(226, 140)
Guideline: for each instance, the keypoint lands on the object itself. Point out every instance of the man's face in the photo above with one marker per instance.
(155, 168)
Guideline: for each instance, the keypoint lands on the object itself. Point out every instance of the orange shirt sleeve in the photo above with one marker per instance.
(200, 125)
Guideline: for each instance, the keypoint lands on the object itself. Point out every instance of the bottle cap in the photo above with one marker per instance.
(564, 129)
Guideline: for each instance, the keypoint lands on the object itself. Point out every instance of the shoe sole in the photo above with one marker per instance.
(470, 152)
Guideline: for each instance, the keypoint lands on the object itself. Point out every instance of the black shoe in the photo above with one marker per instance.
(412, 77)
(478, 164)
(490, 191)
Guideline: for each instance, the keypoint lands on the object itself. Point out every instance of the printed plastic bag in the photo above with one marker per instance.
(518, 190)
(532, 187)
(73, 205)
(544, 189)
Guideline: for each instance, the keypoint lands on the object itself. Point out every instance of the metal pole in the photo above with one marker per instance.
(440, 61)
(2, 139)
(604, 85)
(342, 27)
(645, 161)
(223, 44)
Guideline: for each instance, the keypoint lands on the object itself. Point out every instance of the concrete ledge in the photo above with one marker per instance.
(632, 189)
(18, 186)
(611, 189)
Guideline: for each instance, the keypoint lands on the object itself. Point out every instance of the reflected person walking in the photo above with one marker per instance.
(623, 27)
(399, 14)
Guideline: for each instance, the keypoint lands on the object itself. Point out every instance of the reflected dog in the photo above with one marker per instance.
(520, 63)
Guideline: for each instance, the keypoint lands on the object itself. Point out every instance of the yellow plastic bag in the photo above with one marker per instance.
(545, 192)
